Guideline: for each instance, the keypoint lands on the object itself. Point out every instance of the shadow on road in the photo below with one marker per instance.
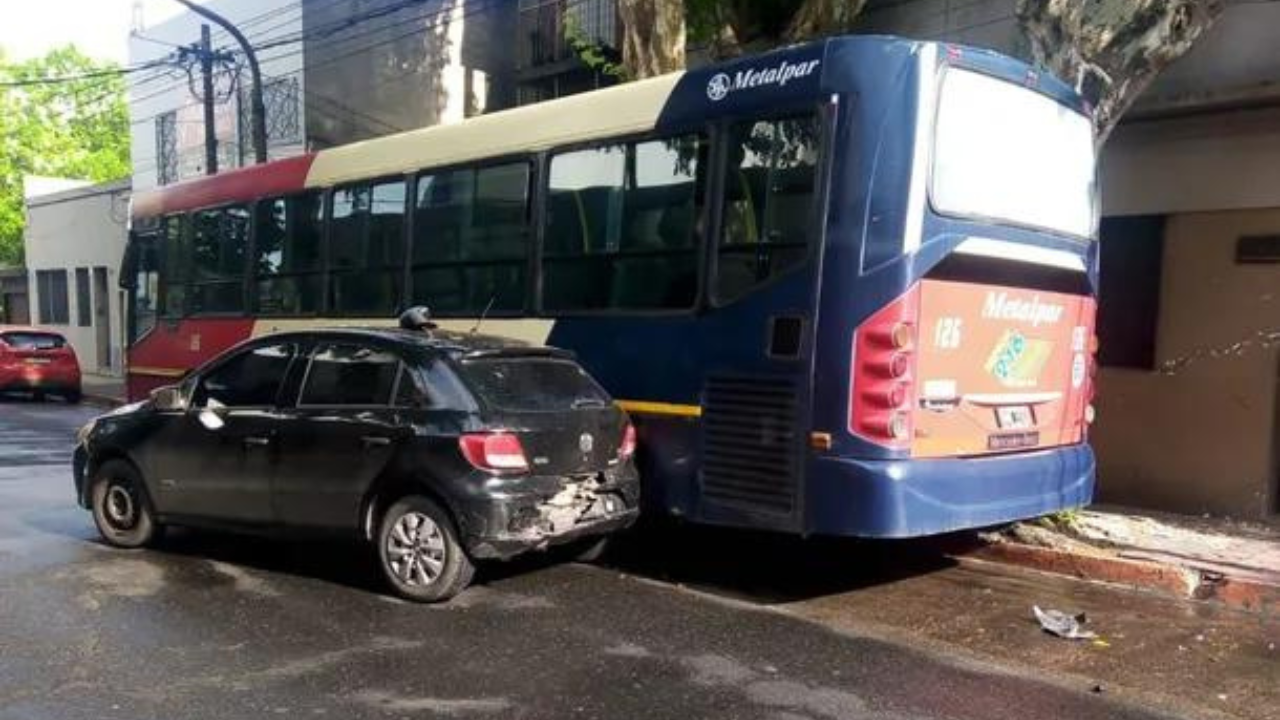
(757, 567)
(771, 568)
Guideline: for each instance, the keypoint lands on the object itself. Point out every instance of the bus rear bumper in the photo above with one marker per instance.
(899, 498)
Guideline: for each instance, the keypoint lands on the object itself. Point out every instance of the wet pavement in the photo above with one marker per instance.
(216, 626)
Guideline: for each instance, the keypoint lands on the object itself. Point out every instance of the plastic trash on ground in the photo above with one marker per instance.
(1056, 622)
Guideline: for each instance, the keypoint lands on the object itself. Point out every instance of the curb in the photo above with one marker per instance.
(1182, 582)
(105, 401)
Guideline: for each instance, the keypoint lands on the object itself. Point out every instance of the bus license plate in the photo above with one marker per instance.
(1014, 417)
(1013, 441)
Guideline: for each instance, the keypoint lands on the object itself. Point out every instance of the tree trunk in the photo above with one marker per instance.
(819, 18)
(1111, 50)
(653, 37)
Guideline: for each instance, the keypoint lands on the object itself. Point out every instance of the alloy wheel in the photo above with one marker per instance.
(416, 550)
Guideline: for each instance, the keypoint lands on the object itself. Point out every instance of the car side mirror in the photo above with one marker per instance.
(169, 399)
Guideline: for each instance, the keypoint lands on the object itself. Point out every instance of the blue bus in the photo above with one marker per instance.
(844, 288)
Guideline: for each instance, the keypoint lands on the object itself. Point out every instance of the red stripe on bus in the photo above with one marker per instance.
(279, 177)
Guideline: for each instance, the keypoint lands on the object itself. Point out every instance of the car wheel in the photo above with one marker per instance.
(419, 551)
(120, 506)
(72, 397)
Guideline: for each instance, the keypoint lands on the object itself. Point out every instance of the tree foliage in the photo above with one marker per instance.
(74, 129)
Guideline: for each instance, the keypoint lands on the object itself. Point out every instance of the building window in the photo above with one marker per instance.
(768, 202)
(366, 248)
(623, 226)
(219, 243)
(1131, 257)
(51, 286)
(471, 238)
(167, 148)
(84, 307)
(287, 257)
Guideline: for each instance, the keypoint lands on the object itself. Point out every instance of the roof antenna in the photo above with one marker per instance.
(417, 318)
(484, 314)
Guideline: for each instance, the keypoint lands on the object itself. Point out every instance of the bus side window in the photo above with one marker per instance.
(219, 244)
(174, 256)
(366, 248)
(142, 263)
(287, 269)
(622, 226)
(471, 239)
(768, 202)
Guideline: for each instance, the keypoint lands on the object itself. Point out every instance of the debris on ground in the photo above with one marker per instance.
(1063, 625)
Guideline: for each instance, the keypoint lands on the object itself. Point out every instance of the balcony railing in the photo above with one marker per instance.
(545, 28)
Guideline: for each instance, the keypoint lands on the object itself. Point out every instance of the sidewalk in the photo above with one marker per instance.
(1233, 562)
(102, 389)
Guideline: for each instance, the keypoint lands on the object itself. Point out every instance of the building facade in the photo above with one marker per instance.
(74, 244)
(340, 72)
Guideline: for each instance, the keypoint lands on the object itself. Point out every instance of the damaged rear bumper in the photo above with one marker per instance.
(541, 512)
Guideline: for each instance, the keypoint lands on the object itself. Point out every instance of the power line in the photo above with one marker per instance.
(91, 75)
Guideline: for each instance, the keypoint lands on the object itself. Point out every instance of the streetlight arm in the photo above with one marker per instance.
(257, 108)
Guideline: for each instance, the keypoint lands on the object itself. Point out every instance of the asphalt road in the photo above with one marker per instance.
(216, 626)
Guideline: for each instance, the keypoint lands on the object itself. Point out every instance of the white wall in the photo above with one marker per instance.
(82, 228)
(154, 92)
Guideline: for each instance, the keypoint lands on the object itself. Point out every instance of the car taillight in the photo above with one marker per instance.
(498, 452)
(628, 447)
(882, 378)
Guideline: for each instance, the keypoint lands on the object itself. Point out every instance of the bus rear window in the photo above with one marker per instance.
(32, 340)
(1009, 154)
(532, 384)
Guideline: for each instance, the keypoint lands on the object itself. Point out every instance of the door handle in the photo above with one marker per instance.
(256, 441)
(373, 441)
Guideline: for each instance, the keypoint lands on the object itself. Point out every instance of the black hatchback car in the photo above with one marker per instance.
(441, 449)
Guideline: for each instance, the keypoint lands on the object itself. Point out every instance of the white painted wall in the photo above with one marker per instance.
(81, 228)
(154, 92)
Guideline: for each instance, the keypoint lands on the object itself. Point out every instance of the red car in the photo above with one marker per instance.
(39, 362)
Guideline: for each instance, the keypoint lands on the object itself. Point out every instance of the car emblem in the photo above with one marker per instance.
(719, 87)
(586, 442)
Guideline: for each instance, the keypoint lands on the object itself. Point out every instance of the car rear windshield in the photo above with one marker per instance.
(32, 340)
(532, 384)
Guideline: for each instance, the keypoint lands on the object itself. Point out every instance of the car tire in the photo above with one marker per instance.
(419, 551)
(590, 550)
(121, 509)
(72, 397)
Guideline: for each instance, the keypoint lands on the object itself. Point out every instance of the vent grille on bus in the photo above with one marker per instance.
(750, 443)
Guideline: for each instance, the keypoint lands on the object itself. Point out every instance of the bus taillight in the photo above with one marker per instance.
(883, 373)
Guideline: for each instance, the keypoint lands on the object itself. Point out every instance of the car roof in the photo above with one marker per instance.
(29, 329)
(441, 341)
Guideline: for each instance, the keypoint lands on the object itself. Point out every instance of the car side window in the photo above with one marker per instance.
(250, 379)
(408, 394)
(344, 374)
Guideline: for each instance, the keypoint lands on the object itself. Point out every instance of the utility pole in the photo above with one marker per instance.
(257, 108)
(210, 132)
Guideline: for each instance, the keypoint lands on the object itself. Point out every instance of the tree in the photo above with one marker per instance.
(1111, 50)
(75, 129)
